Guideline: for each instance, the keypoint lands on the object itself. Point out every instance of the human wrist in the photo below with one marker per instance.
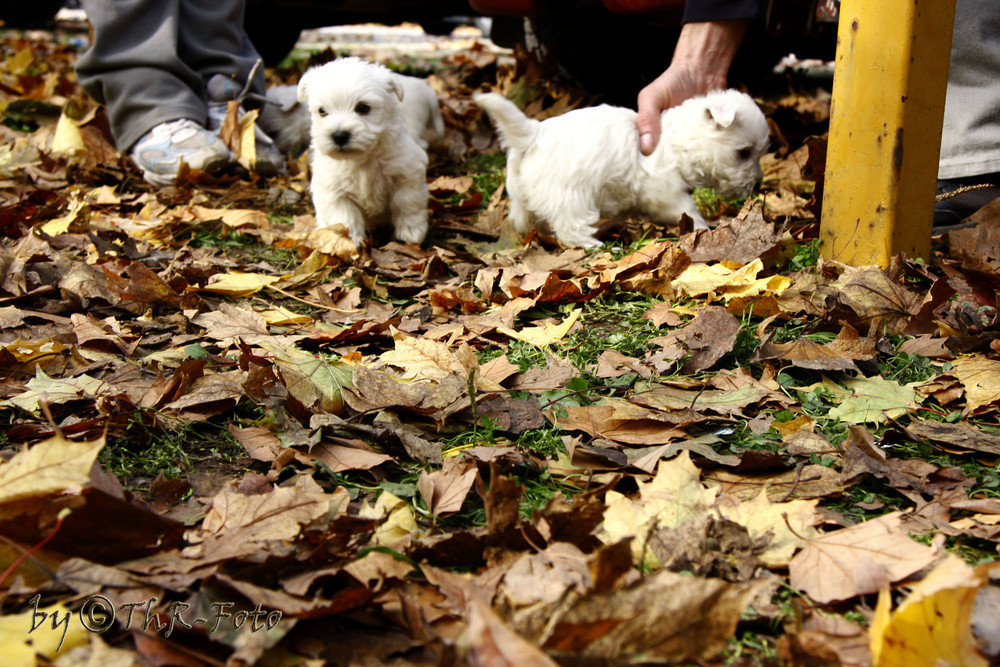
(709, 47)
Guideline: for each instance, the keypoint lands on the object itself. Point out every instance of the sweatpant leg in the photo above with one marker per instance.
(135, 68)
(970, 142)
(212, 41)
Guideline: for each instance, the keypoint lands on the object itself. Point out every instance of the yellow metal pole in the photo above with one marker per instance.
(885, 129)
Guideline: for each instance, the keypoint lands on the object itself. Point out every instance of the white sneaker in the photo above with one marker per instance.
(160, 151)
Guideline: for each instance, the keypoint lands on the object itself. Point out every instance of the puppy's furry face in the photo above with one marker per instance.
(720, 139)
(352, 103)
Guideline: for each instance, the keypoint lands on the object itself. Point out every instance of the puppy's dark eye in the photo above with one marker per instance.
(745, 153)
(362, 109)
(322, 112)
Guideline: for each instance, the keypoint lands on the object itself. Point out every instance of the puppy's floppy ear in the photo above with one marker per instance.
(392, 83)
(303, 89)
(720, 113)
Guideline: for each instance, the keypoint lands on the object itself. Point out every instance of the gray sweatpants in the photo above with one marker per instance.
(150, 59)
(970, 142)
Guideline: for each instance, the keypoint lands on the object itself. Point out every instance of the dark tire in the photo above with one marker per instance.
(27, 15)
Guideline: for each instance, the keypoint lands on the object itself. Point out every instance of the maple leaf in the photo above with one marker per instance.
(313, 380)
(875, 398)
(981, 379)
(787, 525)
(858, 560)
(54, 391)
(673, 496)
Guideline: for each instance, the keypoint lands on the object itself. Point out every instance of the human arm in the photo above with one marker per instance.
(704, 52)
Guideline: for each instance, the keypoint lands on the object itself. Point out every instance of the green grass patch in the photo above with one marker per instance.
(245, 248)
(153, 444)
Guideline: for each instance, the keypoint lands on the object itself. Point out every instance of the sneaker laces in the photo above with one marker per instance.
(962, 190)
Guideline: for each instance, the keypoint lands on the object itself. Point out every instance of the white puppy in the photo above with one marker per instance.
(571, 170)
(367, 170)
(421, 112)
(287, 121)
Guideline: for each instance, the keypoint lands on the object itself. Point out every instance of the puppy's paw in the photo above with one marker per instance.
(413, 230)
(347, 220)
(576, 240)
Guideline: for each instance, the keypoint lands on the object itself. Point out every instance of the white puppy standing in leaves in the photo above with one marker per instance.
(367, 169)
(286, 120)
(571, 170)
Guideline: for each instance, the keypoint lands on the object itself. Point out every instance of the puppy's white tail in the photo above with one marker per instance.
(515, 129)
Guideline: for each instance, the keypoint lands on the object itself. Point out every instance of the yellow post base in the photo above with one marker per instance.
(889, 86)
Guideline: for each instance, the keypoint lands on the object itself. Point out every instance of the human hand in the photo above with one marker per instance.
(700, 64)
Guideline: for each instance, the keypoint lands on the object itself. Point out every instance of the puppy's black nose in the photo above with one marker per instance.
(341, 137)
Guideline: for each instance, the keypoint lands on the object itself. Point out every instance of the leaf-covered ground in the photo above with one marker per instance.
(255, 444)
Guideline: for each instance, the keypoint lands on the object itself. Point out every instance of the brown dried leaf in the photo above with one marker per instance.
(858, 560)
(445, 490)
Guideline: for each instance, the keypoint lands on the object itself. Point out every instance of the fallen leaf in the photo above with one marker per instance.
(859, 560)
(719, 281)
(673, 496)
(875, 398)
(53, 466)
(445, 490)
(981, 379)
(932, 625)
(50, 631)
(313, 380)
(544, 334)
(786, 526)
(238, 283)
(397, 522)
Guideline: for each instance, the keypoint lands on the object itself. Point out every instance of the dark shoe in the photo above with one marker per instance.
(959, 198)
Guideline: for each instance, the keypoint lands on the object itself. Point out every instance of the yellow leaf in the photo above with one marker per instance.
(790, 525)
(52, 631)
(932, 625)
(398, 520)
(543, 335)
(237, 283)
(248, 141)
(80, 212)
(673, 496)
(981, 379)
(282, 317)
(105, 194)
(728, 283)
(22, 59)
(56, 391)
(67, 138)
(26, 351)
(53, 466)
(231, 217)
(875, 398)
